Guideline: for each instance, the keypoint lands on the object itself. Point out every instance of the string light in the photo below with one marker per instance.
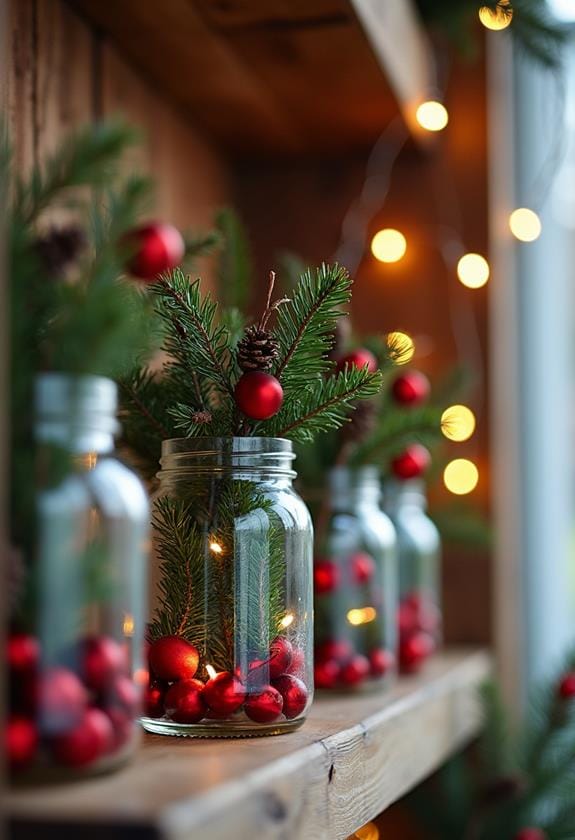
(525, 224)
(458, 423)
(498, 18)
(473, 271)
(128, 625)
(287, 620)
(389, 245)
(369, 831)
(215, 547)
(432, 115)
(211, 671)
(461, 476)
(361, 615)
(402, 347)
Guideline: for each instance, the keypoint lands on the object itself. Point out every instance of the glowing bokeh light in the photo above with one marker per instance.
(461, 476)
(287, 620)
(389, 245)
(215, 547)
(361, 615)
(367, 832)
(525, 224)
(401, 347)
(473, 271)
(498, 18)
(432, 115)
(458, 423)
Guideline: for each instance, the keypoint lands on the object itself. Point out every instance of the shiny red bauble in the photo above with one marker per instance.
(411, 388)
(265, 706)
(414, 650)
(381, 662)
(412, 462)
(154, 700)
(567, 686)
(338, 649)
(21, 741)
(61, 700)
(531, 833)
(102, 660)
(224, 693)
(22, 653)
(362, 567)
(184, 701)
(326, 674)
(359, 358)
(173, 658)
(155, 247)
(281, 653)
(326, 576)
(258, 395)
(295, 695)
(92, 737)
(355, 671)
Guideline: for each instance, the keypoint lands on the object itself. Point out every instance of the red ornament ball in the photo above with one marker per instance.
(414, 650)
(326, 576)
(22, 653)
(567, 686)
(281, 653)
(185, 702)
(91, 738)
(258, 395)
(61, 699)
(531, 833)
(359, 358)
(362, 567)
(21, 741)
(102, 660)
(173, 658)
(154, 700)
(411, 388)
(124, 693)
(412, 462)
(338, 649)
(266, 706)
(355, 671)
(224, 693)
(295, 695)
(326, 674)
(381, 662)
(157, 247)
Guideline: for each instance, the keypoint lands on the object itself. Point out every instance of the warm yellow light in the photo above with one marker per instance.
(362, 615)
(215, 547)
(498, 18)
(388, 245)
(525, 224)
(432, 115)
(458, 423)
(461, 476)
(128, 625)
(473, 271)
(367, 832)
(211, 671)
(287, 620)
(401, 347)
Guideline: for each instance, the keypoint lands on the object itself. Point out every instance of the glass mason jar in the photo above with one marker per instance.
(355, 581)
(75, 650)
(419, 615)
(231, 631)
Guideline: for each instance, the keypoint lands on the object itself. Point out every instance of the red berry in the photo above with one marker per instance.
(281, 653)
(258, 395)
(362, 567)
(295, 695)
(326, 576)
(157, 247)
(530, 833)
(411, 388)
(326, 674)
(381, 662)
(21, 741)
(567, 686)
(338, 649)
(412, 462)
(185, 702)
(407, 619)
(265, 706)
(92, 737)
(173, 658)
(22, 653)
(359, 359)
(62, 700)
(414, 650)
(102, 660)
(355, 671)
(224, 693)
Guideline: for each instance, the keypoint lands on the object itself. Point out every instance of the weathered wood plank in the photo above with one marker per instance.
(352, 759)
(21, 82)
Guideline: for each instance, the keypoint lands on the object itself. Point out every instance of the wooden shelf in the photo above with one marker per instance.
(291, 77)
(351, 760)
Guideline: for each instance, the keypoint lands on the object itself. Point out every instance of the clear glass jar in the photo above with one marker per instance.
(231, 631)
(355, 581)
(75, 651)
(419, 546)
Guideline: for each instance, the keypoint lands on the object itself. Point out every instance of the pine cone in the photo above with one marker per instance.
(362, 422)
(257, 350)
(59, 248)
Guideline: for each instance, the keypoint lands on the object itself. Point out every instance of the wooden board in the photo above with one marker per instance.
(351, 760)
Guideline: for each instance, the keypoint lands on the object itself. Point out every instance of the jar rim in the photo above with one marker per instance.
(206, 454)
(249, 445)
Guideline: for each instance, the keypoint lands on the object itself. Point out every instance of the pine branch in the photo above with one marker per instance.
(395, 430)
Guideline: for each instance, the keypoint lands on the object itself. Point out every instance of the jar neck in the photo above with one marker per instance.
(402, 495)
(354, 488)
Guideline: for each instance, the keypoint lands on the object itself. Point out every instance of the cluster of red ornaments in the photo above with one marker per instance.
(69, 716)
(419, 621)
(409, 390)
(337, 664)
(270, 688)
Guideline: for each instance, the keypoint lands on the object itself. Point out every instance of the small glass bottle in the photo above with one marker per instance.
(230, 640)
(355, 579)
(419, 546)
(75, 649)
